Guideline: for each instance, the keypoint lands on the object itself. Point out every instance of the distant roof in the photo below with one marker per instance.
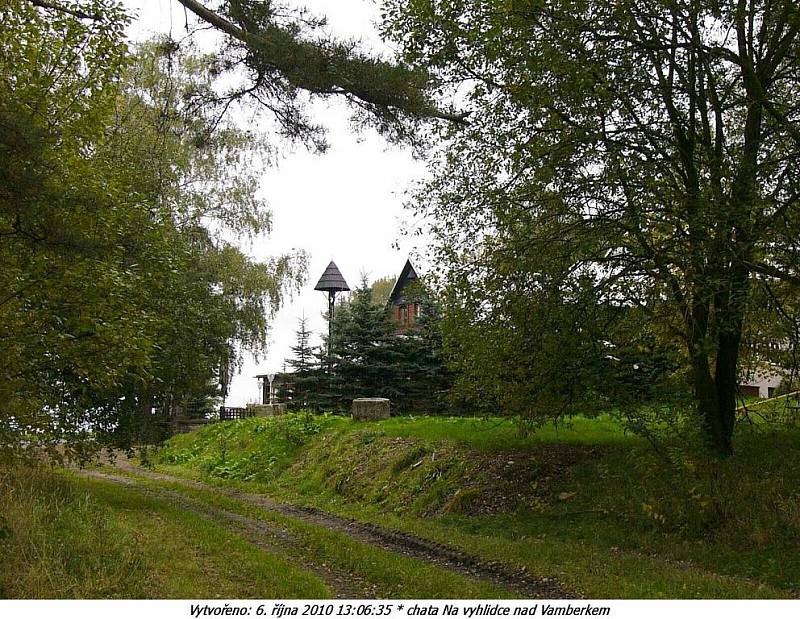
(408, 274)
(332, 280)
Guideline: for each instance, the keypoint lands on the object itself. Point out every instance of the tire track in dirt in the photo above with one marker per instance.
(268, 537)
(515, 580)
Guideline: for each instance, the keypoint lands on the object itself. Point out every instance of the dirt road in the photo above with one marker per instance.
(272, 537)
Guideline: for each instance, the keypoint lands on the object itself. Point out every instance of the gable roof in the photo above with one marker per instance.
(408, 274)
(332, 280)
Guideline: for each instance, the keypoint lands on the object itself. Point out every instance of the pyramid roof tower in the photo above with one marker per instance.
(332, 280)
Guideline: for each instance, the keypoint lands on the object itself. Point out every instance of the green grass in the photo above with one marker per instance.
(498, 434)
(384, 573)
(257, 449)
(65, 537)
(587, 504)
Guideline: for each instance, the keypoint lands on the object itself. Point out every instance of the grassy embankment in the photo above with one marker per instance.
(589, 505)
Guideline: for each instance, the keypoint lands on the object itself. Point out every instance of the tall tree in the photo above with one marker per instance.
(422, 380)
(122, 292)
(382, 288)
(362, 357)
(64, 326)
(372, 357)
(303, 359)
(285, 58)
(628, 154)
(285, 53)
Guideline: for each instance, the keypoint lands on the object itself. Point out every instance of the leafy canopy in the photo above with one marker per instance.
(630, 176)
(117, 194)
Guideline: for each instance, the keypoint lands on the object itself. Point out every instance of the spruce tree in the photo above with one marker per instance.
(362, 355)
(303, 366)
(303, 360)
(370, 357)
(422, 381)
(326, 391)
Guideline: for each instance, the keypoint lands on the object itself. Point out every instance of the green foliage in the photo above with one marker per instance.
(118, 189)
(382, 288)
(424, 381)
(371, 356)
(628, 177)
(286, 53)
(306, 374)
(64, 216)
(303, 360)
(361, 352)
(255, 449)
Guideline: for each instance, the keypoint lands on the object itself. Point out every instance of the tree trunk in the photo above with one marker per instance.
(726, 375)
(730, 305)
(716, 393)
(710, 406)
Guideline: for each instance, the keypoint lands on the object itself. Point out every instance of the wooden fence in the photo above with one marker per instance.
(789, 413)
(229, 413)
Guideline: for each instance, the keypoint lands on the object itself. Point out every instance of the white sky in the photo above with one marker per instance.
(345, 205)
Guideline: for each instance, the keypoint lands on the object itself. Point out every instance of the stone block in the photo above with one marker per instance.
(267, 410)
(258, 410)
(370, 409)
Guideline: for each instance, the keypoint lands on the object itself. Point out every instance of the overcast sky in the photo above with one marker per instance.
(345, 205)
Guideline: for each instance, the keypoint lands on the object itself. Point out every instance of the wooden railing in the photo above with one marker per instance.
(229, 413)
(793, 401)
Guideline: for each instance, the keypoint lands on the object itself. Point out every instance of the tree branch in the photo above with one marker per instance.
(771, 271)
(333, 73)
(54, 6)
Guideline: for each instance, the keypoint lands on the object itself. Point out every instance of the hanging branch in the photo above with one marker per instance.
(330, 70)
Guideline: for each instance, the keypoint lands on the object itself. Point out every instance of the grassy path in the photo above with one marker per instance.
(254, 517)
(267, 536)
(69, 537)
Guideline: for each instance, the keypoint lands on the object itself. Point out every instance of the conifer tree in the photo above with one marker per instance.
(303, 360)
(302, 365)
(370, 357)
(362, 355)
(422, 381)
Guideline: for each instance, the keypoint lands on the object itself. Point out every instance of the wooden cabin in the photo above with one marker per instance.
(405, 310)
